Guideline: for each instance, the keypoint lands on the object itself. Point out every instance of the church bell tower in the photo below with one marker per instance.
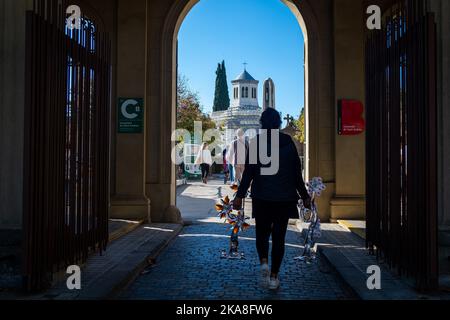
(269, 94)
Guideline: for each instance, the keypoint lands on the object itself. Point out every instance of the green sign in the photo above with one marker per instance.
(130, 115)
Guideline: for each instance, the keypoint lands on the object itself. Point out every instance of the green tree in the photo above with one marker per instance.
(221, 95)
(300, 124)
(189, 109)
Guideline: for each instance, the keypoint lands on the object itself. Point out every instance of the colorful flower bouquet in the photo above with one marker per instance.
(238, 222)
(313, 233)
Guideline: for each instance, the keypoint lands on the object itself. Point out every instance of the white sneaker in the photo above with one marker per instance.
(264, 275)
(274, 283)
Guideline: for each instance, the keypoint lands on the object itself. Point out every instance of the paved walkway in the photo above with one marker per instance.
(191, 267)
(103, 275)
(348, 254)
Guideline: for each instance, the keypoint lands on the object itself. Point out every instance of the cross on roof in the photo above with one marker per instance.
(290, 119)
(245, 65)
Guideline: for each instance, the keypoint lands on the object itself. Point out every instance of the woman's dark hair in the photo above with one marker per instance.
(270, 119)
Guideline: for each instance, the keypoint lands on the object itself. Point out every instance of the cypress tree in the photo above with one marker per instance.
(221, 96)
(225, 100)
(217, 90)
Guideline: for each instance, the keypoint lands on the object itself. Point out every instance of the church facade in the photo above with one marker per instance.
(245, 112)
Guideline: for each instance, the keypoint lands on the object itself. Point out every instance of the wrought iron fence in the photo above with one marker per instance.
(401, 142)
(66, 189)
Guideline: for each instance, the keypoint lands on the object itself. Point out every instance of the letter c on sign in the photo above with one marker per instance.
(124, 107)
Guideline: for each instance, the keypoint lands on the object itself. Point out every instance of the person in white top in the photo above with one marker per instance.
(204, 159)
(237, 155)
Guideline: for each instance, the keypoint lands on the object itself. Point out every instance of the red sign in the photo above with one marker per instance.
(350, 118)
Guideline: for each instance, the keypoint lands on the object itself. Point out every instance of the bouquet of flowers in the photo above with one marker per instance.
(238, 222)
(313, 233)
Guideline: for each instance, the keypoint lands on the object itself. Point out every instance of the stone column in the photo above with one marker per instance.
(316, 19)
(129, 200)
(160, 183)
(349, 199)
(12, 99)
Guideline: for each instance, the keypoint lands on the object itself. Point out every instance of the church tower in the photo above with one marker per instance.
(244, 112)
(269, 94)
(245, 91)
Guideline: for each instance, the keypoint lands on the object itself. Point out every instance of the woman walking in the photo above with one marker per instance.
(204, 159)
(274, 197)
(237, 154)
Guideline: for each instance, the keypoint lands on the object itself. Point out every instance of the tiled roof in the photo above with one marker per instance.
(245, 76)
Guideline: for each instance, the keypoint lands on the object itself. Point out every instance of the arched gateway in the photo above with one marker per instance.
(142, 68)
(321, 161)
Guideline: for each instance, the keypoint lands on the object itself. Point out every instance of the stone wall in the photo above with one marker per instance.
(12, 99)
(125, 22)
(349, 83)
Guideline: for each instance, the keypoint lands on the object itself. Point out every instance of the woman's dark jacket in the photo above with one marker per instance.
(287, 185)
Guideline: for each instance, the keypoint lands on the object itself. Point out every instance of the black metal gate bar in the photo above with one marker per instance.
(66, 142)
(401, 142)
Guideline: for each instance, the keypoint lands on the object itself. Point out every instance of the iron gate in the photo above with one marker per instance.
(401, 142)
(66, 142)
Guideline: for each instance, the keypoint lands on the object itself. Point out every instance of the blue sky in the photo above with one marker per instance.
(263, 33)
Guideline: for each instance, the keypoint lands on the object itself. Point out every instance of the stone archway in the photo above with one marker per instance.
(163, 24)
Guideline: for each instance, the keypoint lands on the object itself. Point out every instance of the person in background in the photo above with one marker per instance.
(204, 159)
(226, 170)
(237, 154)
(274, 197)
(230, 166)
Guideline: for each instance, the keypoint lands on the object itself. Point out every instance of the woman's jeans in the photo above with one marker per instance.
(205, 170)
(270, 221)
(231, 169)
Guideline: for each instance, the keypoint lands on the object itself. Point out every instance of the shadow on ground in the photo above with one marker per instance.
(192, 268)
